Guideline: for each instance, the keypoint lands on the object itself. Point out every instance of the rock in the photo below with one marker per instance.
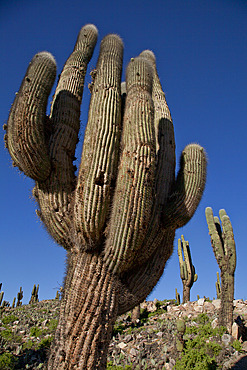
(151, 307)
(208, 306)
(216, 303)
(215, 323)
(198, 309)
(201, 301)
(133, 352)
(227, 339)
(235, 330)
(122, 345)
(128, 338)
(244, 346)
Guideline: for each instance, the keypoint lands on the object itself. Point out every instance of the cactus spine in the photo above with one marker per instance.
(223, 244)
(218, 286)
(117, 218)
(187, 269)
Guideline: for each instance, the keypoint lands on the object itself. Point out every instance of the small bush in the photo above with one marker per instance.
(45, 342)
(237, 345)
(52, 325)
(200, 352)
(7, 361)
(36, 332)
(9, 319)
(110, 366)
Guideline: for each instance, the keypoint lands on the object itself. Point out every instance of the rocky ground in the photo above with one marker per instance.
(152, 342)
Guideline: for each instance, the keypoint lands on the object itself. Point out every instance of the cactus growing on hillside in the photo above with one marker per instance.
(177, 297)
(187, 269)
(117, 218)
(223, 244)
(35, 294)
(19, 297)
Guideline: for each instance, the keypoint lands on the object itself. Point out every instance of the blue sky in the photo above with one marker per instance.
(201, 52)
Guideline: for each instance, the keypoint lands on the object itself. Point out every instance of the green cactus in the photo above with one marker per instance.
(181, 327)
(177, 297)
(13, 303)
(34, 296)
(187, 270)
(223, 244)
(19, 297)
(1, 297)
(117, 218)
(218, 286)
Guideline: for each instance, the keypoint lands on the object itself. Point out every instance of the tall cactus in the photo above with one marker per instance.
(117, 218)
(35, 294)
(19, 297)
(187, 269)
(223, 244)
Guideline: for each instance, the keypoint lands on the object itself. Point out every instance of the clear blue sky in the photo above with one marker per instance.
(201, 51)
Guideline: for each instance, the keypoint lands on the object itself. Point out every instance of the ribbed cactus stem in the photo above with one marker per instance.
(187, 269)
(133, 198)
(100, 155)
(1, 297)
(13, 303)
(223, 244)
(34, 296)
(177, 297)
(19, 297)
(218, 286)
(26, 133)
(116, 219)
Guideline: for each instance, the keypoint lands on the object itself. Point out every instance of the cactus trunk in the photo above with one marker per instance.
(227, 297)
(223, 244)
(89, 309)
(186, 293)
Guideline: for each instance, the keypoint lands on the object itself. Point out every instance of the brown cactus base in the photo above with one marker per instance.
(89, 309)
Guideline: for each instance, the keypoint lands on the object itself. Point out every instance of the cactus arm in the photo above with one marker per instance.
(99, 160)
(26, 129)
(181, 261)
(136, 284)
(133, 198)
(188, 263)
(218, 286)
(54, 196)
(230, 248)
(164, 132)
(216, 240)
(188, 187)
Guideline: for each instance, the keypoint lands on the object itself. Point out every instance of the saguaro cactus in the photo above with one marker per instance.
(117, 218)
(223, 244)
(187, 269)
